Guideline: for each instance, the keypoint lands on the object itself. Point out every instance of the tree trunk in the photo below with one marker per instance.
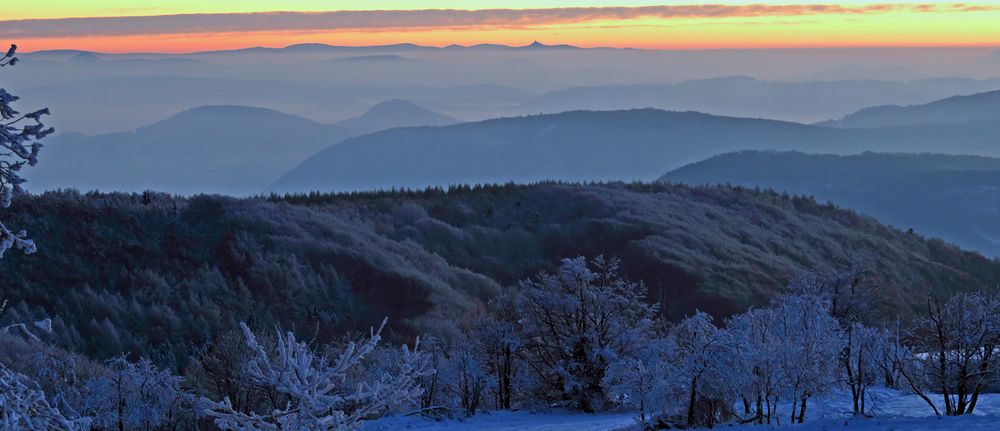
(642, 410)
(760, 410)
(864, 399)
(984, 365)
(974, 399)
(691, 401)
(792, 420)
(505, 378)
(802, 410)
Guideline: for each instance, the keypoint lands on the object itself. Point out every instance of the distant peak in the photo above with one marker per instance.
(226, 114)
(538, 45)
(308, 45)
(396, 113)
(221, 112)
(85, 57)
(393, 106)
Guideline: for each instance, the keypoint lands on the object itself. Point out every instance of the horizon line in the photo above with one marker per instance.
(536, 43)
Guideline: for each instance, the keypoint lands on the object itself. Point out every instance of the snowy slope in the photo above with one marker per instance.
(893, 411)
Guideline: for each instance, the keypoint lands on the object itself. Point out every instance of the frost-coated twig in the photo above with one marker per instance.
(19, 136)
(24, 407)
(319, 398)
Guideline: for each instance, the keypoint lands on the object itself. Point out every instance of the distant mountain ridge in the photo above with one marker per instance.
(322, 47)
(956, 198)
(130, 102)
(953, 110)
(571, 146)
(627, 145)
(743, 96)
(235, 150)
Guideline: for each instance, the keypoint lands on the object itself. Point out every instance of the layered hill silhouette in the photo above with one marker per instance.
(125, 103)
(956, 198)
(953, 110)
(158, 275)
(592, 146)
(395, 113)
(234, 150)
(748, 97)
(399, 47)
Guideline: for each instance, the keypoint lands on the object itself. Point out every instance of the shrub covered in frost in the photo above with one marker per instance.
(318, 399)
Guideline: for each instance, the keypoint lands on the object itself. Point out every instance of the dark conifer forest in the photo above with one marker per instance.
(161, 276)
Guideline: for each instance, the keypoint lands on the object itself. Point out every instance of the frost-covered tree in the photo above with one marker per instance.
(56, 377)
(786, 352)
(218, 373)
(702, 364)
(808, 359)
(318, 399)
(137, 396)
(467, 379)
(497, 338)
(865, 360)
(954, 349)
(23, 405)
(578, 322)
(19, 147)
(756, 373)
(642, 381)
(853, 299)
(852, 294)
(25, 329)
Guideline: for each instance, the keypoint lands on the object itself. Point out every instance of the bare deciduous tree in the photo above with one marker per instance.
(954, 346)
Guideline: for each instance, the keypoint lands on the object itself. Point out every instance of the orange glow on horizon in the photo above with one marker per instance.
(909, 26)
(190, 43)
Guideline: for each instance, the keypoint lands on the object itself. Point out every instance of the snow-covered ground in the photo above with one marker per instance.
(510, 421)
(894, 412)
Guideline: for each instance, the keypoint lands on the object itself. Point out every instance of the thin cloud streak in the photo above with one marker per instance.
(395, 20)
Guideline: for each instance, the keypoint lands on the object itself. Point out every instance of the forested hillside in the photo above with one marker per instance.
(159, 276)
(956, 198)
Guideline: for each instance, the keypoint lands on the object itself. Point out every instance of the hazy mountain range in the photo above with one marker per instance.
(214, 149)
(327, 48)
(121, 103)
(953, 110)
(956, 198)
(596, 146)
(116, 104)
(748, 97)
(98, 93)
(239, 150)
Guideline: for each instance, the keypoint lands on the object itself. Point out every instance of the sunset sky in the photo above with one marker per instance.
(192, 25)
